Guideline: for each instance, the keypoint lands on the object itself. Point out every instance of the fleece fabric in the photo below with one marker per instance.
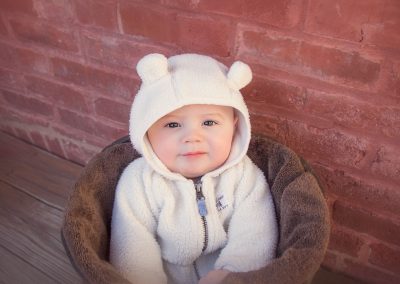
(301, 210)
(158, 235)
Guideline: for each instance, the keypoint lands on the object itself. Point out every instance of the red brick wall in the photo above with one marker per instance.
(326, 84)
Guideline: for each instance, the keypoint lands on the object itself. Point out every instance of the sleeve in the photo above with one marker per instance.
(134, 250)
(253, 230)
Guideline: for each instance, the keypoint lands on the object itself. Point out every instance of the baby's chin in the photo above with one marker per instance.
(193, 175)
(196, 174)
(195, 169)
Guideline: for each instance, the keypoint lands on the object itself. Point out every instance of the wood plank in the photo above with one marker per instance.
(15, 270)
(30, 229)
(36, 172)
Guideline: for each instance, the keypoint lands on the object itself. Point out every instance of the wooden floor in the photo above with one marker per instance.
(34, 188)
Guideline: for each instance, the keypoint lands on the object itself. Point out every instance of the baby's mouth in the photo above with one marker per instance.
(193, 154)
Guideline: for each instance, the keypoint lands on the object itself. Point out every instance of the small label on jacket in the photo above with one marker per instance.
(221, 203)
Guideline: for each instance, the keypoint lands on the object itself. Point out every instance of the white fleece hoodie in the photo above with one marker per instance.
(160, 232)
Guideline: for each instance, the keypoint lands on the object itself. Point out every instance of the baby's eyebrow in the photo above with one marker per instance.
(169, 116)
(203, 115)
(214, 114)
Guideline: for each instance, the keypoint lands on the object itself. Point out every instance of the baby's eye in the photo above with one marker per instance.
(172, 125)
(209, 123)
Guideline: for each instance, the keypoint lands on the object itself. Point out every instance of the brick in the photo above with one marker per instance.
(69, 71)
(57, 94)
(385, 257)
(368, 22)
(60, 11)
(19, 59)
(268, 125)
(3, 28)
(112, 110)
(6, 128)
(340, 64)
(45, 34)
(78, 121)
(22, 6)
(266, 92)
(5, 55)
(54, 146)
(22, 134)
(27, 104)
(194, 33)
(324, 62)
(5, 125)
(116, 51)
(5, 112)
(367, 274)
(31, 61)
(345, 242)
(201, 35)
(376, 196)
(100, 14)
(260, 42)
(37, 139)
(112, 84)
(309, 141)
(335, 109)
(389, 121)
(284, 14)
(352, 113)
(88, 125)
(330, 260)
(387, 162)
(233, 7)
(100, 80)
(18, 116)
(65, 131)
(11, 79)
(139, 20)
(78, 152)
(390, 85)
(334, 146)
(341, 18)
(386, 34)
(363, 221)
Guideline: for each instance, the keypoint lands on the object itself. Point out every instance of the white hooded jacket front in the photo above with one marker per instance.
(169, 229)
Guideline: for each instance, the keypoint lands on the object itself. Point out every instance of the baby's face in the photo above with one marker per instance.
(194, 139)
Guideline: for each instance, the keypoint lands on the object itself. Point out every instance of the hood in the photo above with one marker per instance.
(169, 84)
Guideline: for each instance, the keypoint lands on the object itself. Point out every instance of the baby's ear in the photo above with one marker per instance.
(235, 120)
(152, 67)
(239, 75)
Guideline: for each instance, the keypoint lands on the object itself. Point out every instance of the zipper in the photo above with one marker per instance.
(201, 206)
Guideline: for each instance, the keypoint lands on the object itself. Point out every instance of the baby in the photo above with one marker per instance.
(194, 207)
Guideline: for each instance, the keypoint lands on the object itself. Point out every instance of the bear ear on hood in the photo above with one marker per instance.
(239, 75)
(152, 67)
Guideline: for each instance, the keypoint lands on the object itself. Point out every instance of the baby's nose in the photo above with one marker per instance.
(193, 134)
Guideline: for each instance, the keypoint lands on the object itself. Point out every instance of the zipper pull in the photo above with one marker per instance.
(201, 204)
(201, 201)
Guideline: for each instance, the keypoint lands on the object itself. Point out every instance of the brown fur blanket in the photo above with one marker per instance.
(301, 210)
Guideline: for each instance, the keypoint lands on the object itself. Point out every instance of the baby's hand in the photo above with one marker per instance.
(214, 277)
